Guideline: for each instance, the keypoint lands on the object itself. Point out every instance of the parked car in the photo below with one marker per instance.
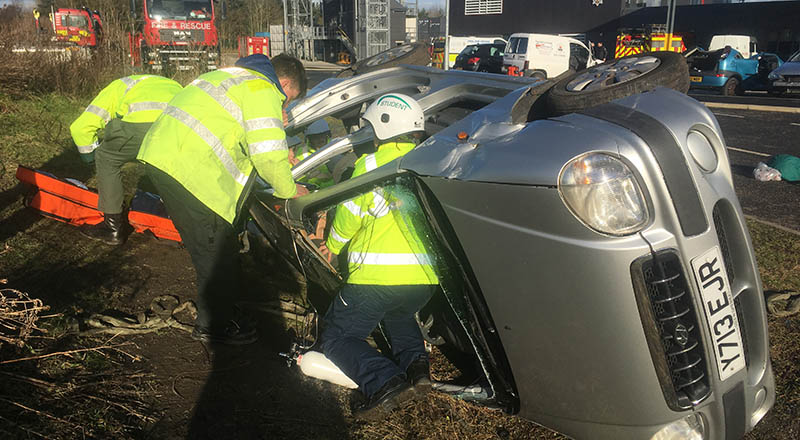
(727, 71)
(545, 56)
(481, 58)
(596, 271)
(457, 44)
(786, 78)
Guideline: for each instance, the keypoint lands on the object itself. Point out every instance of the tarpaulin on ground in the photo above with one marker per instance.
(70, 201)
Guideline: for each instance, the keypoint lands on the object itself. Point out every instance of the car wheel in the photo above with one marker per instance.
(617, 79)
(731, 87)
(538, 75)
(416, 54)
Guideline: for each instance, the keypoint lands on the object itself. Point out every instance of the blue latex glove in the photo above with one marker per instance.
(88, 158)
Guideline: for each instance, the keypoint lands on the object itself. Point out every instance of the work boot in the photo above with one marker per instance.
(391, 396)
(419, 376)
(113, 230)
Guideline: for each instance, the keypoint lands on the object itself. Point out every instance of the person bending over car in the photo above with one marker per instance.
(125, 110)
(203, 155)
(387, 281)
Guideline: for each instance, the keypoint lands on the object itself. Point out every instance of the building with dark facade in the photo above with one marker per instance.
(776, 24)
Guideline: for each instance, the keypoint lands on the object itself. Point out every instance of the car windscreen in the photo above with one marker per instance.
(472, 49)
(701, 60)
(795, 58)
(487, 50)
(517, 45)
(78, 21)
(179, 9)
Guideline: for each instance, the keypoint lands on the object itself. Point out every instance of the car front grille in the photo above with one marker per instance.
(676, 345)
(792, 78)
(181, 36)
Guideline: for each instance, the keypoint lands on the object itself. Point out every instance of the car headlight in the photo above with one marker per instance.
(602, 192)
(773, 76)
(690, 427)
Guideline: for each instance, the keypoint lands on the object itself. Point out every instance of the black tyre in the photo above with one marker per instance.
(731, 87)
(538, 74)
(416, 54)
(617, 79)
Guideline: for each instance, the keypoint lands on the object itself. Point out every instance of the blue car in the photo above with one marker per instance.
(729, 72)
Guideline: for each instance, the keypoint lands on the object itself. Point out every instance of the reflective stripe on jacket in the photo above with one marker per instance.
(137, 98)
(384, 249)
(215, 134)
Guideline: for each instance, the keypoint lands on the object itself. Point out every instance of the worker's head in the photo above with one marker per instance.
(318, 134)
(395, 115)
(292, 76)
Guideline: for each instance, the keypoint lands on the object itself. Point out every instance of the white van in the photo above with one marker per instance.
(744, 44)
(546, 56)
(457, 44)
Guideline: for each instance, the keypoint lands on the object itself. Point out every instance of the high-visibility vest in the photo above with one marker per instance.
(321, 177)
(384, 248)
(217, 133)
(137, 98)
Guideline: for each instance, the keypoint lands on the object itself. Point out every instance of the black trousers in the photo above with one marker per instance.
(214, 247)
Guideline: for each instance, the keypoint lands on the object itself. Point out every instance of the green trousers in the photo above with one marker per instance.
(120, 145)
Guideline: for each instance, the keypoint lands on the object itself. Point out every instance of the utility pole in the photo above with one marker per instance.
(447, 35)
(670, 23)
(285, 28)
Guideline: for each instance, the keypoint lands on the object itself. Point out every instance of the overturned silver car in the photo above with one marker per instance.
(595, 265)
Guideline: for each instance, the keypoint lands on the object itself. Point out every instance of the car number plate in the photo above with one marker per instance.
(709, 272)
(696, 79)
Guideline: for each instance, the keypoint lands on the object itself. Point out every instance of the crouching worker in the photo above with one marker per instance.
(317, 135)
(387, 280)
(125, 109)
(203, 156)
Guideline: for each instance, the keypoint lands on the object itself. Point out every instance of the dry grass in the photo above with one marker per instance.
(18, 316)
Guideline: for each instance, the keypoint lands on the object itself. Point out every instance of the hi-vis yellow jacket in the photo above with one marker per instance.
(217, 133)
(384, 249)
(137, 98)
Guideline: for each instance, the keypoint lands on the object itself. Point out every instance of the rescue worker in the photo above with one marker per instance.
(317, 135)
(126, 109)
(203, 155)
(390, 277)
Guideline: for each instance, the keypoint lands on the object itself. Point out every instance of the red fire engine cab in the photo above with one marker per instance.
(77, 26)
(174, 34)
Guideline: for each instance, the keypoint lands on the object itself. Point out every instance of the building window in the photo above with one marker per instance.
(483, 7)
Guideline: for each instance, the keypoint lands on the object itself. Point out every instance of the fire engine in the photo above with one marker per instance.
(653, 38)
(174, 34)
(77, 26)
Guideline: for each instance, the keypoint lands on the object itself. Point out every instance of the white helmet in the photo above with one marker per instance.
(318, 127)
(394, 115)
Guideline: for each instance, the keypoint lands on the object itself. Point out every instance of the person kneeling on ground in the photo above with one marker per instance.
(387, 280)
(126, 109)
(203, 156)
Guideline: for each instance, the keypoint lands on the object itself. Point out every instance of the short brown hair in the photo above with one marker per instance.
(292, 69)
